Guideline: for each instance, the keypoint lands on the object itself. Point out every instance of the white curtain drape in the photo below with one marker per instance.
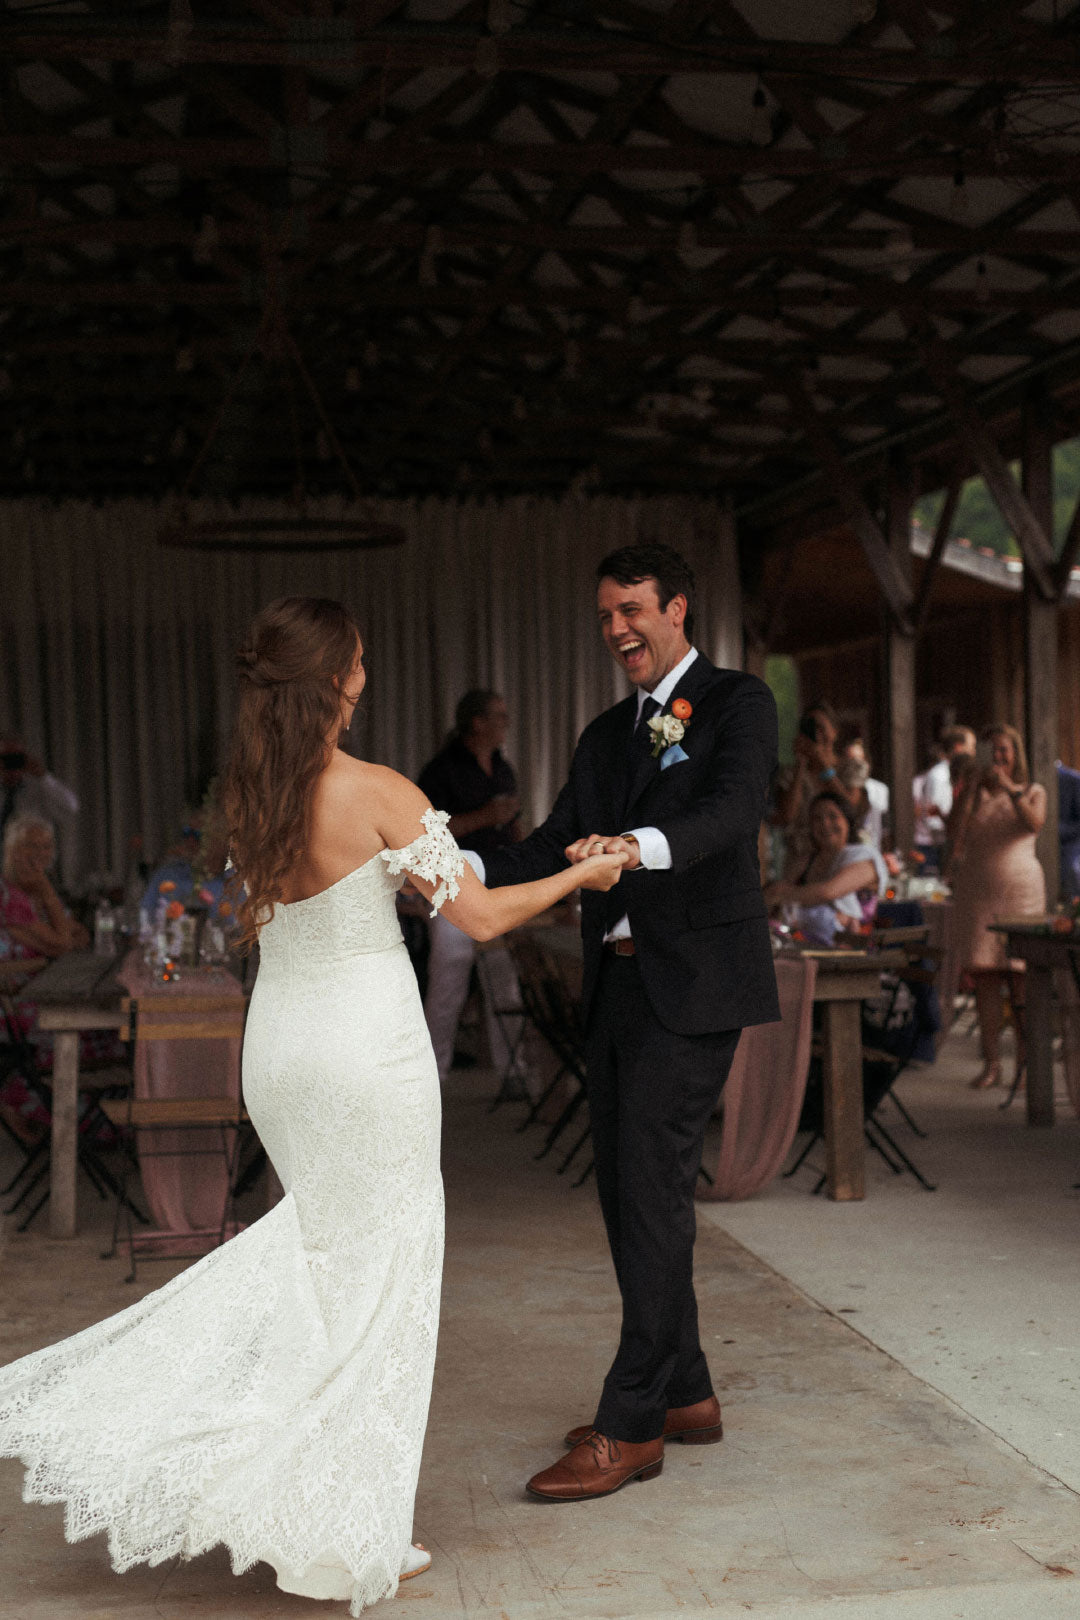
(117, 652)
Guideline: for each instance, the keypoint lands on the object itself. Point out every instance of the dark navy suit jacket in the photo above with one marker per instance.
(701, 928)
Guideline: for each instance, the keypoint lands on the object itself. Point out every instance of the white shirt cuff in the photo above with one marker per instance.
(653, 848)
(476, 863)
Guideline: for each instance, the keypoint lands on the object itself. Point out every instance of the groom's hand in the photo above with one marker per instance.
(604, 844)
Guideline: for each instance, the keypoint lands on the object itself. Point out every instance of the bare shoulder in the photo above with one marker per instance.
(394, 804)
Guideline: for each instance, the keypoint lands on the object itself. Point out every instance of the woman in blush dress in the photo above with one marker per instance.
(274, 1396)
(995, 873)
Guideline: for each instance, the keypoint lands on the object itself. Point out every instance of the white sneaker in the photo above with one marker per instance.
(417, 1560)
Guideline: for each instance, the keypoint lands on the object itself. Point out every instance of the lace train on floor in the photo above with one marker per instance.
(257, 1446)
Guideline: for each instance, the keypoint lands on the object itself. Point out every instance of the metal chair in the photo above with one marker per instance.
(891, 1031)
(555, 1013)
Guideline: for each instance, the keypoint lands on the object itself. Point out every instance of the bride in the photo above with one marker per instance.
(274, 1396)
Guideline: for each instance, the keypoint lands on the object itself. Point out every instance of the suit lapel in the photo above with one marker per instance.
(615, 761)
(645, 769)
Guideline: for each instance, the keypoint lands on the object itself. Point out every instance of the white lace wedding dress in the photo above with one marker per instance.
(274, 1396)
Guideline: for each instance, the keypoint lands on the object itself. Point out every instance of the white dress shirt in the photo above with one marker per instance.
(45, 796)
(654, 851)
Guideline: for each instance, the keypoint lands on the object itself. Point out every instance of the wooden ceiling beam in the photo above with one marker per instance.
(345, 42)
(466, 300)
(894, 585)
(839, 159)
(972, 431)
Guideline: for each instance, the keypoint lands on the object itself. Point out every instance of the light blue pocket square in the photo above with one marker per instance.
(672, 756)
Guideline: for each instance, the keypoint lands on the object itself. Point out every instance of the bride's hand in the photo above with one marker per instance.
(600, 872)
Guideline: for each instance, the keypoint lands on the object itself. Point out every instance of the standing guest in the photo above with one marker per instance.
(959, 745)
(814, 768)
(27, 788)
(869, 798)
(472, 780)
(843, 880)
(995, 873)
(932, 794)
(675, 778)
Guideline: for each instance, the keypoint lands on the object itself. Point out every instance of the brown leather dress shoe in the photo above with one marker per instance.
(597, 1467)
(697, 1425)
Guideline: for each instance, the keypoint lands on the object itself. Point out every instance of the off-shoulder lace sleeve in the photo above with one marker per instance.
(434, 856)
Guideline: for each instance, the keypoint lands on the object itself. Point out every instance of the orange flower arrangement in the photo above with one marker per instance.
(167, 887)
(682, 710)
(174, 909)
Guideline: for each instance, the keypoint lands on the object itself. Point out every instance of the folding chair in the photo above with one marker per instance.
(556, 1015)
(142, 1120)
(18, 1055)
(891, 1032)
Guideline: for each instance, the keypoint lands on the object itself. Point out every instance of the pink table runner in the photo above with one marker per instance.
(763, 1096)
(184, 1194)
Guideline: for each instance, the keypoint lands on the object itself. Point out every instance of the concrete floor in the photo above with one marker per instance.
(865, 1472)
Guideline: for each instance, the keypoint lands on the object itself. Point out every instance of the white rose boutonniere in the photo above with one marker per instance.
(669, 729)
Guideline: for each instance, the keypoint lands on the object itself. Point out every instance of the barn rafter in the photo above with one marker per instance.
(532, 245)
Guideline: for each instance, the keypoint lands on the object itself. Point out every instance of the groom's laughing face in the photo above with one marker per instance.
(646, 641)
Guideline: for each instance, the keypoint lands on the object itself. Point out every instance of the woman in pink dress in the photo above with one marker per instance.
(995, 874)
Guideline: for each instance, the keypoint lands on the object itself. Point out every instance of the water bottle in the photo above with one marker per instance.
(104, 929)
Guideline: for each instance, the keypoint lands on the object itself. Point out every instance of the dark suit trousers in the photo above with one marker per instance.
(651, 1095)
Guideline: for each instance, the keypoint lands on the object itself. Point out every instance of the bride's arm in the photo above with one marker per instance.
(414, 844)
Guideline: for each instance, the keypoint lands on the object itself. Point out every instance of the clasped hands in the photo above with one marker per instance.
(604, 844)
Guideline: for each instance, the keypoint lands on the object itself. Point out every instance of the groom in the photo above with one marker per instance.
(677, 961)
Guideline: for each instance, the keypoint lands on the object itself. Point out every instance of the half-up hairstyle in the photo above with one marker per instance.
(292, 668)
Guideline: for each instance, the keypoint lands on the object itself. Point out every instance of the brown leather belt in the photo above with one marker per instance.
(620, 947)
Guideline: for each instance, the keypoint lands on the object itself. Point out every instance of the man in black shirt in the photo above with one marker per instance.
(470, 778)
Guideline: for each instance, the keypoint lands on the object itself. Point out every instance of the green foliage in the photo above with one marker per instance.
(977, 518)
(782, 677)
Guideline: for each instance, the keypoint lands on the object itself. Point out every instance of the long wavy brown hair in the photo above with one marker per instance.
(292, 667)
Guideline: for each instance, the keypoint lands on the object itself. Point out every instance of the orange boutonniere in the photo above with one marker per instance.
(174, 909)
(682, 709)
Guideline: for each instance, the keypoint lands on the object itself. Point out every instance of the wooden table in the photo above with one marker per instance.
(845, 979)
(1041, 952)
(76, 992)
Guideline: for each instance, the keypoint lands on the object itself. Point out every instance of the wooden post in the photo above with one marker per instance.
(900, 671)
(65, 1134)
(1040, 645)
(844, 1146)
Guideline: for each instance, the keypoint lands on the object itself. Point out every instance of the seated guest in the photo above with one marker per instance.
(33, 923)
(192, 870)
(472, 780)
(840, 885)
(27, 788)
(31, 912)
(869, 798)
(1068, 791)
(814, 768)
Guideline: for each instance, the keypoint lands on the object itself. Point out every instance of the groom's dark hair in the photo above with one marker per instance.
(653, 560)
